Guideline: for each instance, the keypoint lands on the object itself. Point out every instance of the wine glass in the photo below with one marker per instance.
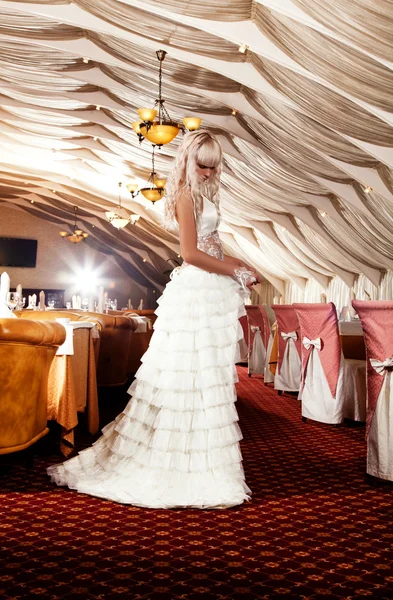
(68, 305)
(21, 303)
(85, 304)
(51, 304)
(12, 300)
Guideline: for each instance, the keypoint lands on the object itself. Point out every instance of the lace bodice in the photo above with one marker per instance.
(208, 238)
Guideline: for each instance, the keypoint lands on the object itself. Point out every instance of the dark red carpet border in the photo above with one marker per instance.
(315, 528)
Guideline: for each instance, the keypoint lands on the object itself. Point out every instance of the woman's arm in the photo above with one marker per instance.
(238, 262)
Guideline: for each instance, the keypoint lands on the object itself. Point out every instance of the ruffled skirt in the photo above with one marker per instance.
(176, 444)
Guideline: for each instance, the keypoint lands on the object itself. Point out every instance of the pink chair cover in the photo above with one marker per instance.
(320, 321)
(265, 332)
(244, 323)
(287, 321)
(255, 317)
(377, 322)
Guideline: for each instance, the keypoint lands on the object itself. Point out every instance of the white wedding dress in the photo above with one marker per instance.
(176, 444)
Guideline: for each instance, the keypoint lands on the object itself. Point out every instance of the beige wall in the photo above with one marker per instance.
(59, 261)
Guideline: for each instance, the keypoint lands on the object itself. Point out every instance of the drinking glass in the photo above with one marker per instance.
(12, 300)
(51, 304)
(68, 305)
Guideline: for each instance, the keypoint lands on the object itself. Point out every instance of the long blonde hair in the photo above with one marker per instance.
(197, 147)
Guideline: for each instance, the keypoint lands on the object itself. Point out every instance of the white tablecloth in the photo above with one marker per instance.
(144, 323)
(353, 327)
(68, 347)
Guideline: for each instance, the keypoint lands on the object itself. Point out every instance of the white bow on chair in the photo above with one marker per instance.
(255, 328)
(307, 343)
(381, 366)
(292, 335)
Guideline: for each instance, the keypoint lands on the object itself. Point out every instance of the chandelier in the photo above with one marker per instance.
(119, 217)
(162, 130)
(77, 235)
(154, 188)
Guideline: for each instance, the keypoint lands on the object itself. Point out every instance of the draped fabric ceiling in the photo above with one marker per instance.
(304, 117)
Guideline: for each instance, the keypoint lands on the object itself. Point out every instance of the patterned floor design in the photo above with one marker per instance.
(315, 528)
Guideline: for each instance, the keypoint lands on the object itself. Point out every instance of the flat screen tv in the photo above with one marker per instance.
(17, 252)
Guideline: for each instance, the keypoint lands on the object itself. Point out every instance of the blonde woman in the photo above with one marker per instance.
(177, 442)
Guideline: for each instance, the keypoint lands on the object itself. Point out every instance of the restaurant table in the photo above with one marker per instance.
(352, 339)
(72, 384)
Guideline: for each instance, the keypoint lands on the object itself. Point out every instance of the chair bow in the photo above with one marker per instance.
(255, 328)
(381, 366)
(307, 343)
(292, 335)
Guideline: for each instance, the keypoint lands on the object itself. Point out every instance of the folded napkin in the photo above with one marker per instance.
(5, 282)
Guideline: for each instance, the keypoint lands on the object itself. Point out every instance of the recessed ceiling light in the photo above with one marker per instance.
(243, 48)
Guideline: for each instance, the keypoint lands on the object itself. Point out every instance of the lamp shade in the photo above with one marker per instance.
(160, 183)
(152, 194)
(132, 187)
(147, 114)
(75, 238)
(136, 126)
(191, 123)
(160, 134)
(119, 217)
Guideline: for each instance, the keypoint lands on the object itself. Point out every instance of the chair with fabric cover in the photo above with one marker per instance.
(269, 318)
(27, 349)
(287, 378)
(256, 340)
(377, 322)
(243, 343)
(332, 387)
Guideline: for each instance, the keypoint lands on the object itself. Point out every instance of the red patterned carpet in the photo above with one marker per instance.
(315, 528)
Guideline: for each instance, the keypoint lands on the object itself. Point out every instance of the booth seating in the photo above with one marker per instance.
(141, 339)
(52, 315)
(27, 349)
(112, 369)
(72, 381)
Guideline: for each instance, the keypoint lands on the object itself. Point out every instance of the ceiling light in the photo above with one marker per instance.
(368, 189)
(162, 130)
(98, 107)
(243, 48)
(154, 190)
(119, 217)
(76, 235)
(234, 112)
(323, 213)
(85, 59)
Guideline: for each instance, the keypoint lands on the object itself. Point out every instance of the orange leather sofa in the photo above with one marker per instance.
(140, 341)
(112, 369)
(52, 315)
(27, 349)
